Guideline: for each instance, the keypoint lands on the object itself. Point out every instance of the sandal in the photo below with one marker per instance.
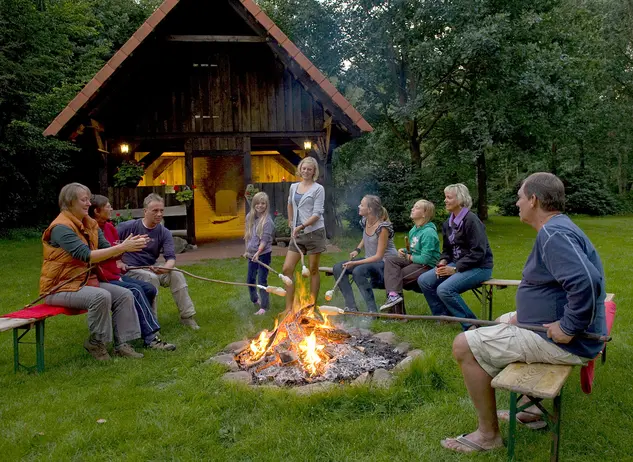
(531, 424)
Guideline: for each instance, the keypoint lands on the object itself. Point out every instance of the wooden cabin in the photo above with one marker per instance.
(211, 94)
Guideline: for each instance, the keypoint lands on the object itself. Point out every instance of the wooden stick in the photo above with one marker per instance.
(329, 310)
(406, 244)
(244, 284)
(61, 284)
(339, 279)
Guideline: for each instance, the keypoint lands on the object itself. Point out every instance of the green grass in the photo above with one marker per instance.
(171, 406)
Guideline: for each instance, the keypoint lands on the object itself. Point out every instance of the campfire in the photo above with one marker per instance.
(304, 348)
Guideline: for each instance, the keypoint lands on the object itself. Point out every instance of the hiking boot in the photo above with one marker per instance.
(392, 300)
(158, 344)
(190, 322)
(126, 351)
(97, 350)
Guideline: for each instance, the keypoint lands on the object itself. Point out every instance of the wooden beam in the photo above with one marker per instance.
(248, 169)
(217, 38)
(191, 219)
(212, 135)
(164, 165)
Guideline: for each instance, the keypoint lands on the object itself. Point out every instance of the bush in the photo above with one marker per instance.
(585, 193)
(281, 226)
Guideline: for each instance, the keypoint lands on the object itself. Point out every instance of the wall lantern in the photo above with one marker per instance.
(125, 148)
(307, 145)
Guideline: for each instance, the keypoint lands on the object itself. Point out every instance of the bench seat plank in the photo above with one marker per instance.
(12, 323)
(537, 380)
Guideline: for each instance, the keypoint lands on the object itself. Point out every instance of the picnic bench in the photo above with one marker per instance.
(28, 320)
(539, 381)
(171, 211)
(484, 293)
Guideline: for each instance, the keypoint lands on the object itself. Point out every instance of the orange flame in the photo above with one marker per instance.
(310, 353)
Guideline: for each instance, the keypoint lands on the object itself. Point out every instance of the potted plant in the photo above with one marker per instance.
(184, 194)
(282, 231)
(129, 174)
(250, 192)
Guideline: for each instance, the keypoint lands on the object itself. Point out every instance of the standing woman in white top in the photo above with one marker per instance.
(305, 218)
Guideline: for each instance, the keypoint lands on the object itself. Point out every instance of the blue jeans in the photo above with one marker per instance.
(367, 277)
(257, 272)
(442, 294)
(144, 295)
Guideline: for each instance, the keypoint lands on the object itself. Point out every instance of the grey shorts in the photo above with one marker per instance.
(309, 243)
(495, 347)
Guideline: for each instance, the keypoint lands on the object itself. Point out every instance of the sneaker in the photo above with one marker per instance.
(190, 322)
(97, 350)
(392, 300)
(126, 351)
(158, 344)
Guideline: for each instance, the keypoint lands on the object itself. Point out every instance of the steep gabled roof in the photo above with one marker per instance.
(272, 31)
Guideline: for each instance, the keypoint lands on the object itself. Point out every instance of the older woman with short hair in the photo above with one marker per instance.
(72, 244)
(466, 259)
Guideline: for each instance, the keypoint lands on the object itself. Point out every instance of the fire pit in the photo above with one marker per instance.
(305, 348)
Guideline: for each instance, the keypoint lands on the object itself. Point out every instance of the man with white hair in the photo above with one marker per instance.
(160, 238)
(562, 288)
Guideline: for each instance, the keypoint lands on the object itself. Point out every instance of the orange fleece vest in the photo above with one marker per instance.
(59, 265)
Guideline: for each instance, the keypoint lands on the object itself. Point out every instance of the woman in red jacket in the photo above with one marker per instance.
(111, 271)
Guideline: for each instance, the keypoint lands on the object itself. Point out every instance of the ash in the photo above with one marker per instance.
(348, 360)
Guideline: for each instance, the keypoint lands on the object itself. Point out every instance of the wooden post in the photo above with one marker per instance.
(248, 169)
(191, 219)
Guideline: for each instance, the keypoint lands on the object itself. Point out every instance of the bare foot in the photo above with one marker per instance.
(473, 442)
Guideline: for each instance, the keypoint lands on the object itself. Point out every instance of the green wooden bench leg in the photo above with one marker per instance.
(555, 427)
(39, 347)
(512, 425)
(16, 351)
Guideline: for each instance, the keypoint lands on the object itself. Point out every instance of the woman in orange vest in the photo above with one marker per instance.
(73, 243)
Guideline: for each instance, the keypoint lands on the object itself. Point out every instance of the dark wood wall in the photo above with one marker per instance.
(211, 88)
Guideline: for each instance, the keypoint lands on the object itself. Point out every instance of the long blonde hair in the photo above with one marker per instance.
(375, 207)
(250, 218)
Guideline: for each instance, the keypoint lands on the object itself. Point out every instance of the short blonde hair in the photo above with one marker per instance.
(70, 193)
(428, 207)
(313, 162)
(461, 193)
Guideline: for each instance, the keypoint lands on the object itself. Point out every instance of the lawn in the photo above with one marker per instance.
(172, 406)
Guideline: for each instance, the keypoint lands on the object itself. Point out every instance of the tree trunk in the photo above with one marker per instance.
(553, 166)
(416, 152)
(482, 187)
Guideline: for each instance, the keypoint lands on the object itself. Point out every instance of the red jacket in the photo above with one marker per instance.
(109, 270)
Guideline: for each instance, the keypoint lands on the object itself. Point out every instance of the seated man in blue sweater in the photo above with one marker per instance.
(562, 288)
(160, 239)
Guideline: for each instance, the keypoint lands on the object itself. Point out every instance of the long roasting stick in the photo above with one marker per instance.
(330, 293)
(270, 289)
(286, 280)
(334, 311)
(305, 272)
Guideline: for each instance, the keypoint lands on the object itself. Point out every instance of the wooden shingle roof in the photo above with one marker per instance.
(285, 44)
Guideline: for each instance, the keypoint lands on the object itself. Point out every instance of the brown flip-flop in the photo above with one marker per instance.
(532, 425)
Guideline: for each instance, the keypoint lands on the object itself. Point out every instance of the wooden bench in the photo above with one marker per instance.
(171, 211)
(28, 324)
(484, 293)
(537, 382)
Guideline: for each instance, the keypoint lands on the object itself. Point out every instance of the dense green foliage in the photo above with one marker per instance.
(483, 92)
(173, 406)
(48, 50)
(476, 91)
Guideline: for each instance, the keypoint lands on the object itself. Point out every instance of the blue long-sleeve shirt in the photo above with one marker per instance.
(563, 279)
